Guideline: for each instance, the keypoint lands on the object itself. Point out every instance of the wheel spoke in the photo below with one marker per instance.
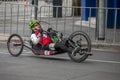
(82, 46)
(15, 45)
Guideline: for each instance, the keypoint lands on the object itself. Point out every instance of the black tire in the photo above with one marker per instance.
(15, 45)
(77, 49)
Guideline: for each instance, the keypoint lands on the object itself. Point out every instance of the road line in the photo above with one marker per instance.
(105, 61)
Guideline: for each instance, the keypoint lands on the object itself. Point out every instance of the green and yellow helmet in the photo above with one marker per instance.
(32, 22)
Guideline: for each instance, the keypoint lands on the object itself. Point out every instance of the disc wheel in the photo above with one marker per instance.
(15, 45)
(82, 45)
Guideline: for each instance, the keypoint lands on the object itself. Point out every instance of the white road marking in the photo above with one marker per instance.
(104, 61)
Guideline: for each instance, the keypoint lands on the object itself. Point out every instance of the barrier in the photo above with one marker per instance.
(14, 18)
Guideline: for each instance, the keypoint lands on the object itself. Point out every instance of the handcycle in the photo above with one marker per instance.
(78, 41)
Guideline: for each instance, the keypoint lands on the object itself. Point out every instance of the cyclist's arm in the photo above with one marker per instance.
(34, 39)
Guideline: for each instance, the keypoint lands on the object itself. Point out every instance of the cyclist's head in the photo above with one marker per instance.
(32, 23)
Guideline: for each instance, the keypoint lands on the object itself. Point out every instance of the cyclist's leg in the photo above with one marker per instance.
(48, 50)
(60, 46)
(49, 46)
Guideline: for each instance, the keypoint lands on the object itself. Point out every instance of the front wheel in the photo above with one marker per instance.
(80, 42)
(15, 45)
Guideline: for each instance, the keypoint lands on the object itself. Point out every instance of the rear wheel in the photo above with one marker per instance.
(81, 44)
(15, 45)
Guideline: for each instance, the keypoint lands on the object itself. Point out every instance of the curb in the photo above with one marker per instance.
(106, 47)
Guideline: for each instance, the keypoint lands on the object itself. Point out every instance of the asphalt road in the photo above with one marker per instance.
(103, 65)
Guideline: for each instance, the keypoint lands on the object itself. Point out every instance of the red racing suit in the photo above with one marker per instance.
(44, 39)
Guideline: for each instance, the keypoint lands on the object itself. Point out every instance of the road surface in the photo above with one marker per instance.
(103, 65)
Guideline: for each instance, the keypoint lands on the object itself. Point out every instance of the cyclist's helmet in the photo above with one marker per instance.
(32, 22)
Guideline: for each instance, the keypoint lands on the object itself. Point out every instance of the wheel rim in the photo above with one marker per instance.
(15, 45)
(82, 44)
